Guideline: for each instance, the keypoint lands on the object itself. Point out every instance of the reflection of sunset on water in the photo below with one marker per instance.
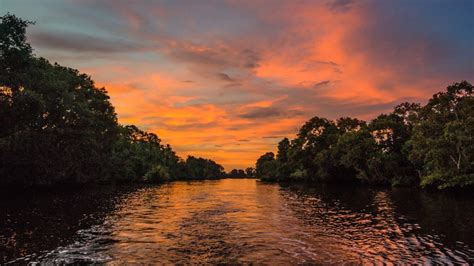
(271, 132)
(246, 221)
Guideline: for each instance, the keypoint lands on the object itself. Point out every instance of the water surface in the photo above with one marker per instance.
(236, 221)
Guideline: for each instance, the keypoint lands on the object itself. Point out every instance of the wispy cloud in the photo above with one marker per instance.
(269, 113)
(340, 5)
(228, 79)
(78, 42)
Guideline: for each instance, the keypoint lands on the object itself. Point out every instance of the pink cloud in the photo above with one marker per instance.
(256, 74)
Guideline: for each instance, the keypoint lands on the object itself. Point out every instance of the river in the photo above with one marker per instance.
(236, 221)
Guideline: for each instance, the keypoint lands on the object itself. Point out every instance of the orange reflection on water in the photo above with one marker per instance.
(246, 221)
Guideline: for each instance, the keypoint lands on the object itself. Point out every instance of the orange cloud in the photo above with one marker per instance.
(229, 79)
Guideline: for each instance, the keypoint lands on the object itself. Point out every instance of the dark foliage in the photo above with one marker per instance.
(431, 145)
(240, 173)
(58, 127)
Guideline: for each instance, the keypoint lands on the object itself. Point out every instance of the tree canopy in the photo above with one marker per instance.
(429, 145)
(57, 126)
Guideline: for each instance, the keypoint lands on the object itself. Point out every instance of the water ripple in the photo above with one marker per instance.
(244, 221)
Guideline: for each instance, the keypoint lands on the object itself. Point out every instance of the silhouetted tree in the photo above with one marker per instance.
(58, 127)
(237, 173)
(432, 144)
(250, 171)
(266, 167)
(200, 168)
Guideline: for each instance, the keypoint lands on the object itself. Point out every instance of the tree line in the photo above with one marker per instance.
(430, 146)
(57, 126)
(249, 172)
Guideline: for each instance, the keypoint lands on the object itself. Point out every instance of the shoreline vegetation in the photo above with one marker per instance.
(58, 128)
(430, 146)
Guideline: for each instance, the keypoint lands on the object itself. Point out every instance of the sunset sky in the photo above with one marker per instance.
(227, 80)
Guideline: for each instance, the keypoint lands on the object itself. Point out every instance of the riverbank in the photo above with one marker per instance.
(454, 191)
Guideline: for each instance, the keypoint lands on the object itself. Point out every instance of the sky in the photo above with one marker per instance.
(226, 79)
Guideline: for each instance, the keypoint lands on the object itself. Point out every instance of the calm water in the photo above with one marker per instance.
(236, 221)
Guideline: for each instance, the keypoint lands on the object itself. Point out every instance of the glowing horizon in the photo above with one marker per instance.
(227, 80)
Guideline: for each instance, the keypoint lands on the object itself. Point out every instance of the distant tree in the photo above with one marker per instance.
(266, 167)
(284, 166)
(140, 155)
(237, 173)
(200, 168)
(233, 173)
(250, 172)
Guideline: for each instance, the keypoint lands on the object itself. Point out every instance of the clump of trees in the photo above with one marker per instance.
(249, 172)
(56, 126)
(429, 145)
(200, 168)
